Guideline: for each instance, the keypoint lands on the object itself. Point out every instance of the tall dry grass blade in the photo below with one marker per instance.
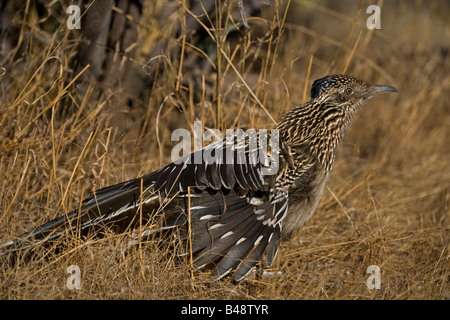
(191, 254)
(18, 188)
(305, 88)
(352, 53)
(141, 257)
(249, 89)
(77, 164)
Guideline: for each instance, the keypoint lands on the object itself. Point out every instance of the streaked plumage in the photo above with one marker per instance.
(238, 214)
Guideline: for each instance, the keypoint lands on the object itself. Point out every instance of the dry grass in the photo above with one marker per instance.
(387, 203)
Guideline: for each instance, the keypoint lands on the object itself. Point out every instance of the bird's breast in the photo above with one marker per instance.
(304, 197)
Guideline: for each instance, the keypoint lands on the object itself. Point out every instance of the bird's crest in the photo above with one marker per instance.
(332, 81)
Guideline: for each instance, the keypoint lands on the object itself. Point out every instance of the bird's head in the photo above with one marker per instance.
(346, 92)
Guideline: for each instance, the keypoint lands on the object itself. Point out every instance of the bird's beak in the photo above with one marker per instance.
(375, 90)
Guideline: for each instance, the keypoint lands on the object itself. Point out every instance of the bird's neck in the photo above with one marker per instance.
(317, 127)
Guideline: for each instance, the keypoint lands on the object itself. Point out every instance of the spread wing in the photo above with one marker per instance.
(235, 211)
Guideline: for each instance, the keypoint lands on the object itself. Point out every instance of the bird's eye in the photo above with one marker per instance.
(349, 91)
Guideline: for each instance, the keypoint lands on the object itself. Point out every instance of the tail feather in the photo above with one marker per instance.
(253, 256)
(216, 244)
(109, 206)
(239, 252)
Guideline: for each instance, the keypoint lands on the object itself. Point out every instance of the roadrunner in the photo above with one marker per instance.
(231, 213)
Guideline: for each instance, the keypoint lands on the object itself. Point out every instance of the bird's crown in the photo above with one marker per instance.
(335, 83)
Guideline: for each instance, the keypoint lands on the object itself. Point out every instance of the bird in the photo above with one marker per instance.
(234, 211)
